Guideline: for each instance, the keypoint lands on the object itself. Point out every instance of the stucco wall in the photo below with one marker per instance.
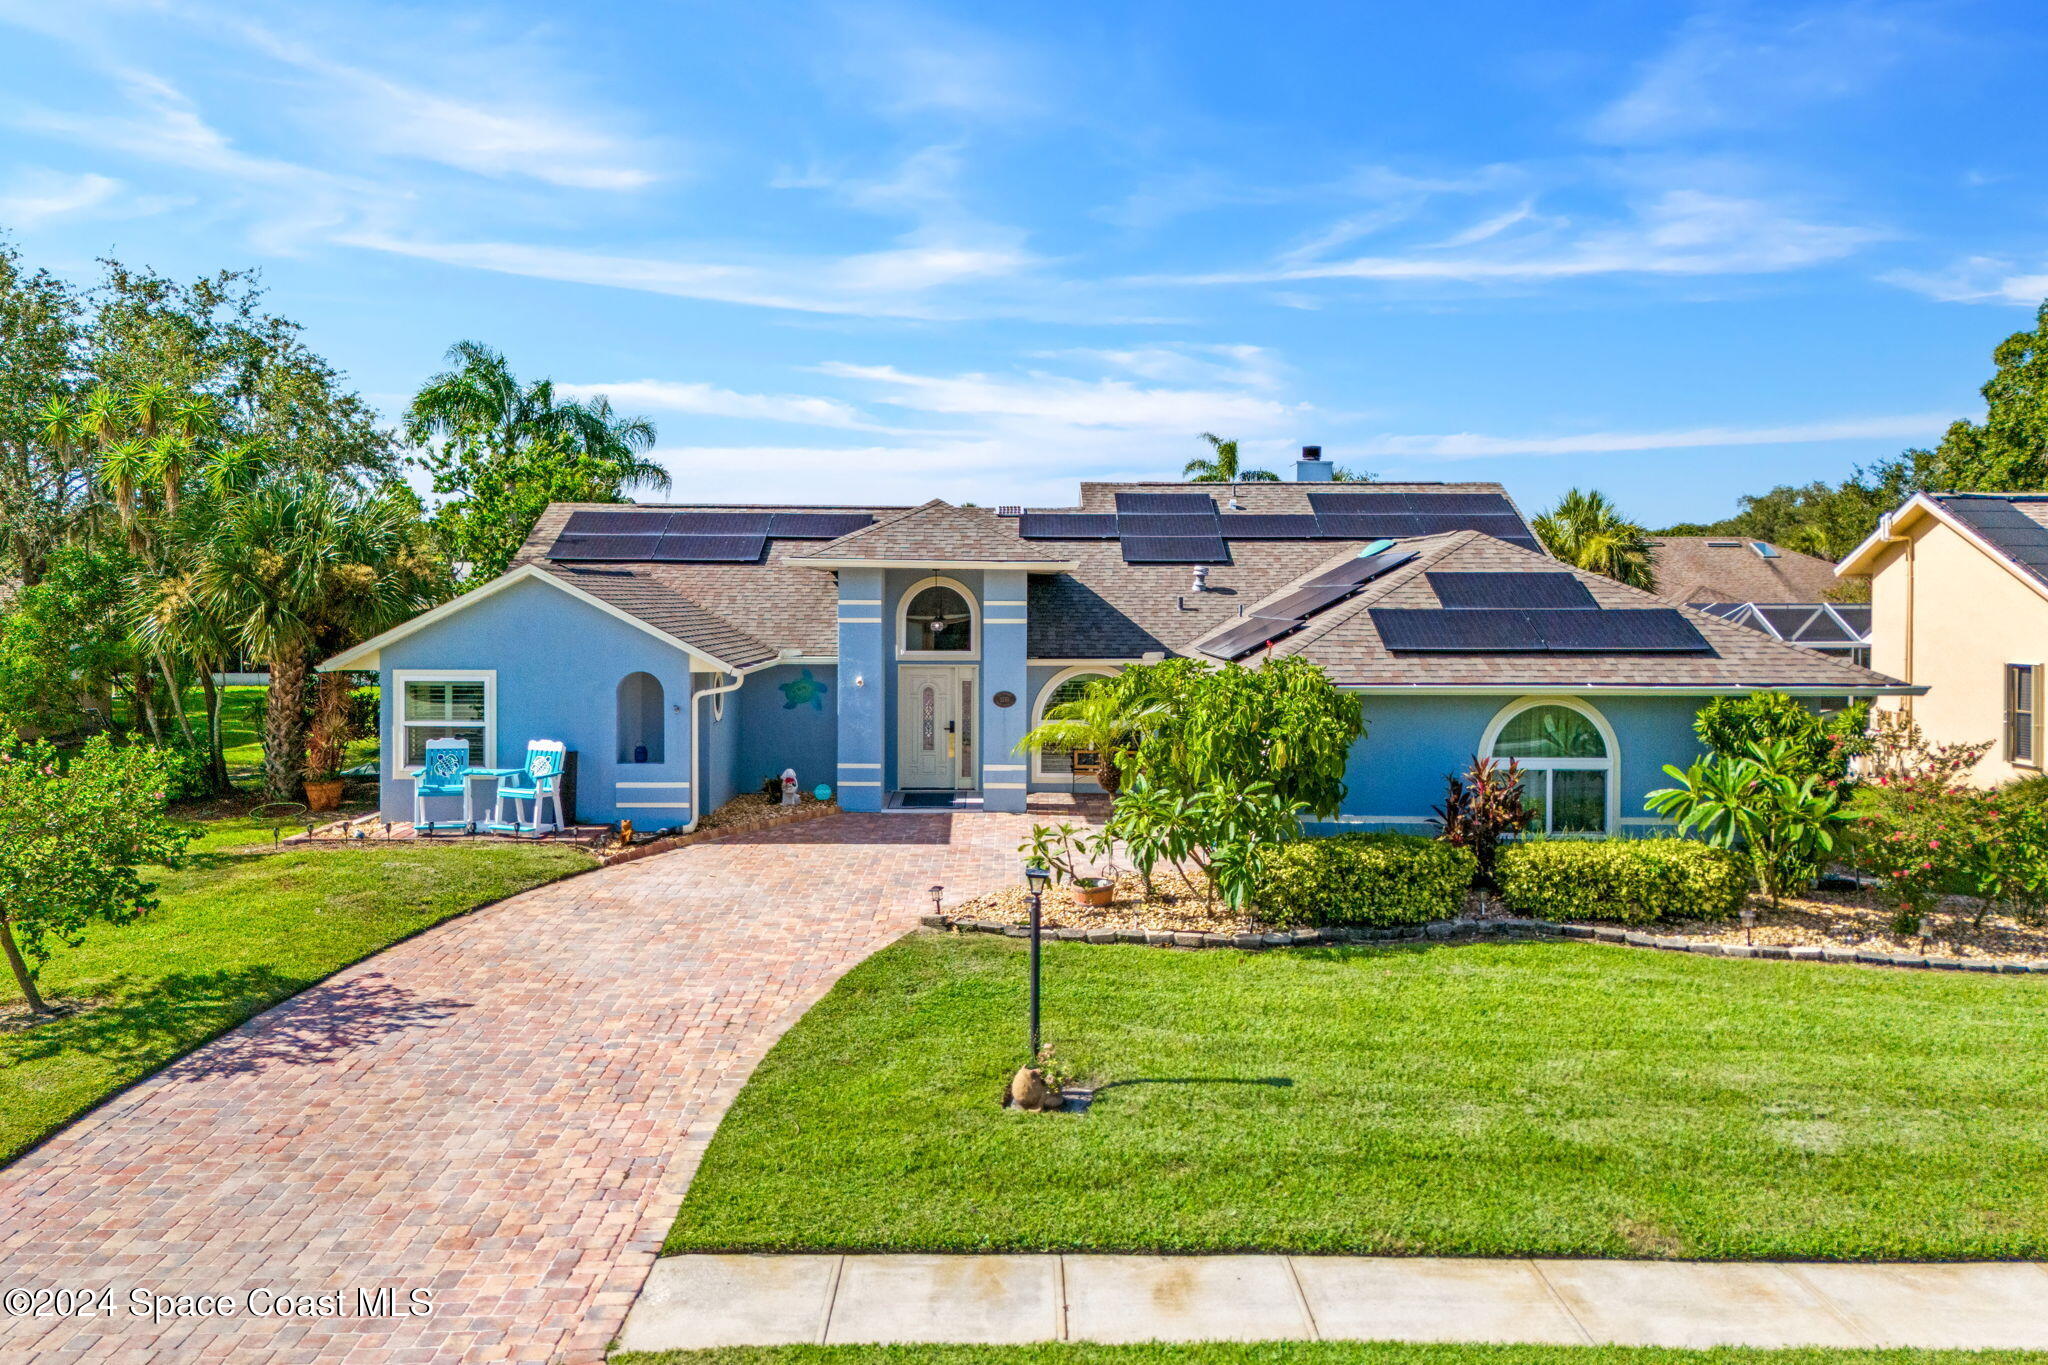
(1946, 614)
(1412, 743)
(558, 663)
(778, 729)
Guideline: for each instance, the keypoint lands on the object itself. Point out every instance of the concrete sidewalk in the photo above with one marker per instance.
(694, 1301)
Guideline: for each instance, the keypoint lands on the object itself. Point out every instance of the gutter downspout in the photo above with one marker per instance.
(697, 792)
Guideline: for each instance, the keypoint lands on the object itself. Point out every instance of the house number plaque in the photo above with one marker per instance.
(1005, 700)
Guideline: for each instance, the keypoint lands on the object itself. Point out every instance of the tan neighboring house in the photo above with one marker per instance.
(1959, 604)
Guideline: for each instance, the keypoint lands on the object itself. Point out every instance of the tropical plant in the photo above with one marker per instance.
(1763, 802)
(71, 843)
(1221, 465)
(297, 565)
(1482, 809)
(1061, 850)
(500, 451)
(1821, 744)
(1143, 822)
(1107, 720)
(1283, 723)
(1586, 531)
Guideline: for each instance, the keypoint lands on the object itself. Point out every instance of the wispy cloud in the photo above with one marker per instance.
(890, 283)
(907, 62)
(708, 400)
(1727, 69)
(1470, 445)
(1098, 403)
(1674, 232)
(37, 197)
(1976, 279)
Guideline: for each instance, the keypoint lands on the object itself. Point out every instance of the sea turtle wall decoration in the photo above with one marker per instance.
(801, 690)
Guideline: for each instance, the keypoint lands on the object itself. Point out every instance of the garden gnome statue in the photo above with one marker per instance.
(789, 792)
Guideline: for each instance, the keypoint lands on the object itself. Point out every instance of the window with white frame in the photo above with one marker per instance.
(2023, 715)
(937, 620)
(1567, 766)
(1059, 691)
(445, 706)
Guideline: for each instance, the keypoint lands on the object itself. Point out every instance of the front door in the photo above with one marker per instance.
(935, 726)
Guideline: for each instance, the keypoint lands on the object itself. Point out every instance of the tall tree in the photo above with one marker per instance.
(1221, 465)
(2008, 451)
(500, 451)
(1586, 531)
(45, 484)
(292, 567)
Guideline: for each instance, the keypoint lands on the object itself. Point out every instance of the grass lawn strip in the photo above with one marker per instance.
(1509, 1099)
(236, 933)
(1311, 1353)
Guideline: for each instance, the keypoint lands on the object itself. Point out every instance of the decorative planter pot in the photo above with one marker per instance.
(324, 795)
(1097, 891)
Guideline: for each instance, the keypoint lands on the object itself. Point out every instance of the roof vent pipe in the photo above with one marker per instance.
(1310, 468)
(1201, 578)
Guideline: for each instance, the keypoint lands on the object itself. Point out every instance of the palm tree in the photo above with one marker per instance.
(1222, 466)
(1586, 531)
(123, 463)
(1105, 719)
(294, 564)
(193, 420)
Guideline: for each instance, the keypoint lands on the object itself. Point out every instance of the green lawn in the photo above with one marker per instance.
(1309, 1353)
(1546, 1098)
(236, 933)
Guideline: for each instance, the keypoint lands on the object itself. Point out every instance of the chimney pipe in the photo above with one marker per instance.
(1310, 468)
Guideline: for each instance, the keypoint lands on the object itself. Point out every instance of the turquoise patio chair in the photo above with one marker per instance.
(446, 772)
(538, 780)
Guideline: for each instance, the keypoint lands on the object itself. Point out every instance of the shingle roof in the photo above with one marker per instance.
(939, 531)
(636, 591)
(2015, 524)
(1728, 569)
(1344, 641)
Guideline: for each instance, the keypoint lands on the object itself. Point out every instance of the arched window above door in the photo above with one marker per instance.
(937, 620)
(1568, 757)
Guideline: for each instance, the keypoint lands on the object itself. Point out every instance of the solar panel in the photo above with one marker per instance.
(1175, 550)
(1559, 590)
(1067, 526)
(1659, 630)
(1507, 527)
(1460, 504)
(1185, 504)
(1474, 630)
(604, 547)
(2012, 531)
(1363, 569)
(1504, 630)
(817, 525)
(1269, 526)
(1349, 504)
(1164, 524)
(718, 524)
(1247, 637)
(624, 522)
(1305, 602)
(710, 549)
(1365, 526)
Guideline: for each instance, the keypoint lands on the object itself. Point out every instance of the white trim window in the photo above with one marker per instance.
(2023, 715)
(1057, 765)
(938, 620)
(1569, 761)
(454, 703)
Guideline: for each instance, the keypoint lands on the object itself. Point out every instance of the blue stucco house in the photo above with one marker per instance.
(684, 653)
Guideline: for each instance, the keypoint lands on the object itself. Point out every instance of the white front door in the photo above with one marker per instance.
(935, 726)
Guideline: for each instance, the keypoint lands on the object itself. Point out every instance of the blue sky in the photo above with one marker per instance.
(885, 252)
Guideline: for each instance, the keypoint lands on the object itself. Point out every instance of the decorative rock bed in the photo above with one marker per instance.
(1483, 928)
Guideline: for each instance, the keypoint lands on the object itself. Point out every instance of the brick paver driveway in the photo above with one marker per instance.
(502, 1112)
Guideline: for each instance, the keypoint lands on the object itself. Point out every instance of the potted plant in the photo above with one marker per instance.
(325, 747)
(1057, 848)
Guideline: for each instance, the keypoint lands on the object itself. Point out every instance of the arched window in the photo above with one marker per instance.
(640, 707)
(1568, 756)
(1058, 690)
(937, 619)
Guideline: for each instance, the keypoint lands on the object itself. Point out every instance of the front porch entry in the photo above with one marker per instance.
(935, 727)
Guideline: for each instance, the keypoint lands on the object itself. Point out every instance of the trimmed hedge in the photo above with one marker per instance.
(1635, 881)
(1378, 880)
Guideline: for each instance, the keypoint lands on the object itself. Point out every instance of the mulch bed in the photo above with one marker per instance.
(753, 810)
(1819, 919)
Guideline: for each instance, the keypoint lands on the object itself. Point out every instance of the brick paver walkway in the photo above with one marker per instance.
(503, 1112)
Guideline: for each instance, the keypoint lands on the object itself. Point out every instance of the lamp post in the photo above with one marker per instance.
(1035, 879)
(1748, 924)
